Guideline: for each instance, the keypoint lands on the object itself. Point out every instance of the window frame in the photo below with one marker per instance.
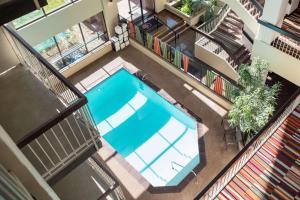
(61, 55)
(45, 14)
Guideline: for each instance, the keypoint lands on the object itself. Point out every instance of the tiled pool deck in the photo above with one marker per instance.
(212, 146)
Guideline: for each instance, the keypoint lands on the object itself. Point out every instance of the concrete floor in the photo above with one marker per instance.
(25, 102)
(211, 114)
(83, 183)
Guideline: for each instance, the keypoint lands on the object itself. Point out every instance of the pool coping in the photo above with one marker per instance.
(137, 73)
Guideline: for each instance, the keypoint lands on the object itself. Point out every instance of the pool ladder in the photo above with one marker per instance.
(176, 163)
(143, 76)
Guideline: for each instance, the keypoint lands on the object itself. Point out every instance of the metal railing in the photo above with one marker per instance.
(286, 41)
(253, 7)
(52, 145)
(176, 36)
(217, 47)
(204, 74)
(212, 24)
(234, 166)
(114, 191)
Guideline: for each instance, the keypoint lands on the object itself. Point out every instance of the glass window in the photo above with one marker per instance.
(71, 45)
(55, 4)
(48, 49)
(66, 47)
(94, 31)
(27, 18)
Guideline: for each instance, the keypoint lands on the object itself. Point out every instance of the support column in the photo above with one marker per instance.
(274, 12)
(110, 11)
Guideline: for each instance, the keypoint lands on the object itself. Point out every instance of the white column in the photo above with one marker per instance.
(274, 12)
(110, 11)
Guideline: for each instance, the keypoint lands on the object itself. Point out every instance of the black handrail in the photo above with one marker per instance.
(279, 30)
(171, 29)
(266, 126)
(82, 100)
(161, 21)
(236, 61)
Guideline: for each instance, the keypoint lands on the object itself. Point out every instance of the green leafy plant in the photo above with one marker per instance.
(254, 104)
(186, 8)
(190, 7)
(211, 7)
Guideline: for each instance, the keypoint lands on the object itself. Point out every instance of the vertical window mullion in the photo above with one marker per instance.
(59, 51)
(83, 38)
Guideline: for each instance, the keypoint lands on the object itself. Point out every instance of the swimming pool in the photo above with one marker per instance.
(156, 138)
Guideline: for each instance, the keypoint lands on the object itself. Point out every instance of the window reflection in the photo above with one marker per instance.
(55, 4)
(21, 21)
(72, 44)
(93, 30)
(29, 18)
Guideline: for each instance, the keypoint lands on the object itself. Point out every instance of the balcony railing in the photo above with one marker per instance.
(66, 136)
(234, 166)
(217, 82)
(285, 41)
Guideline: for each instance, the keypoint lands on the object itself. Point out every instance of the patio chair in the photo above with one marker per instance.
(229, 133)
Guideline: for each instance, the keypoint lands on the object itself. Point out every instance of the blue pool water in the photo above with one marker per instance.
(157, 139)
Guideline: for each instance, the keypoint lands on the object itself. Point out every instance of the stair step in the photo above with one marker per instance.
(168, 30)
(178, 33)
(236, 18)
(171, 33)
(160, 32)
(228, 32)
(240, 51)
(245, 59)
(234, 22)
(231, 27)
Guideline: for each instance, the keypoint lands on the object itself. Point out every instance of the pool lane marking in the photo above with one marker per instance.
(164, 151)
(158, 176)
(183, 154)
(132, 105)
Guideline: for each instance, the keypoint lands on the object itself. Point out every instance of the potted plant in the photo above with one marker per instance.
(254, 104)
(189, 10)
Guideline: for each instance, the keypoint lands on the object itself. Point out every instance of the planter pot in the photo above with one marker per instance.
(190, 19)
(239, 139)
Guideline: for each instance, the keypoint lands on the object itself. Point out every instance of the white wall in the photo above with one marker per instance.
(281, 63)
(159, 5)
(215, 61)
(110, 12)
(8, 57)
(293, 6)
(274, 12)
(57, 22)
(13, 159)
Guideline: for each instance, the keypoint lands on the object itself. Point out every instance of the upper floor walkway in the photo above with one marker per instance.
(43, 113)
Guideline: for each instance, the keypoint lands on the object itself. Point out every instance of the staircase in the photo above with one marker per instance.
(253, 7)
(229, 32)
(165, 34)
(226, 41)
(248, 10)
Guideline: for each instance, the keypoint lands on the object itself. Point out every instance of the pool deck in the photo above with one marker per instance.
(212, 145)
